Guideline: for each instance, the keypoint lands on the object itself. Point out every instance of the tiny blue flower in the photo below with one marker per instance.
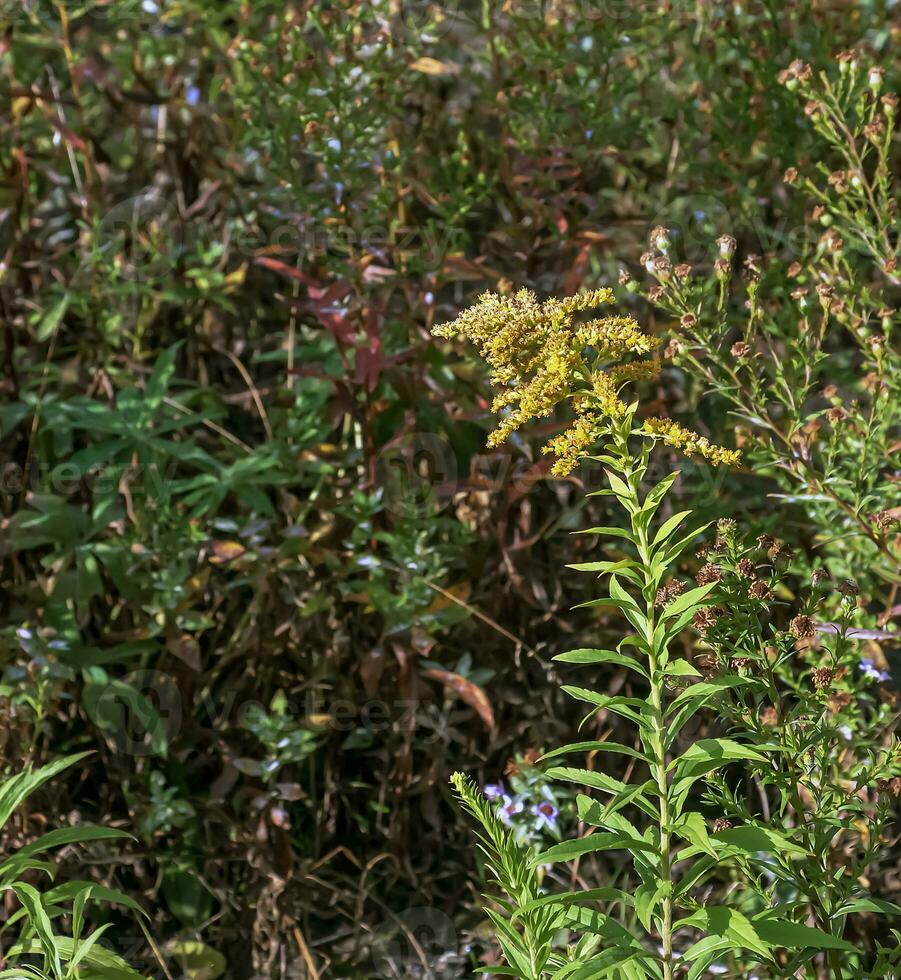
(545, 815)
(509, 808)
(192, 95)
(494, 791)
(873, 672)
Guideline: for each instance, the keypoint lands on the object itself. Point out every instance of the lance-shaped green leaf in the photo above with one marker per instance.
(666, 529)
(616, 895)
(687, 702)
(648, 897)
(619, 705)
(589, 656)
(786, 934)
(625, 567)
(609, 532)
(728, 923)
(655, 495)
(704, 953)
(756, 839)
(665, 557)
(681, 668)
(597, 746)
(704, 756)
(869, 904)
(688, 601)
(569, 850)
(595, 813)
(692, 827)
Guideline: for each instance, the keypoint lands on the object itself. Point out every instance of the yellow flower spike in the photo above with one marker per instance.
(689, 442)
(540, 355)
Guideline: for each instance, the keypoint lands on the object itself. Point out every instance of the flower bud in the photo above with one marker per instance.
(660, 238)
(727, 246)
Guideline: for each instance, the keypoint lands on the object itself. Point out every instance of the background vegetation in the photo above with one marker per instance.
(253, 552)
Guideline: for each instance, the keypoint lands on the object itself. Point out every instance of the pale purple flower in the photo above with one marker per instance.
(545, 815)
(494, 791)
(509, 808)
(873, 672)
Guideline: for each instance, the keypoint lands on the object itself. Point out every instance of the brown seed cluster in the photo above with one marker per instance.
(822, 678)
(802, 627)
(666, 593)
(745, 568)
(704, 619)
(708, 573)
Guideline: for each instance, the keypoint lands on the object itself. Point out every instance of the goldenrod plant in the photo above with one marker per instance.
(662, 923)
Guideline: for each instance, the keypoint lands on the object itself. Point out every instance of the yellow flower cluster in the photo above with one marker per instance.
(690, 442)
(540, 354)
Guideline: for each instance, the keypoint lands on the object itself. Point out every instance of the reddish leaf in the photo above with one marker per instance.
(468, 692)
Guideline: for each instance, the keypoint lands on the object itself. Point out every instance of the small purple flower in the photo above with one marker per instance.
(509, 808)
(873, 672)
(545, 815)
(494, 791)
(192, 95)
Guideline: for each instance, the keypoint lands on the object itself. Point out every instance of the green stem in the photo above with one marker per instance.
(657, 699)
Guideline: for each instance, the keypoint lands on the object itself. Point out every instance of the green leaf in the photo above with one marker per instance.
(597, 746)
(728, 923)
(105, 964)
(714, 750)
(608, 532)
(705, 689)
(571, 849)
(31, 901)
(702, 757)
(16, 789)
(86, 945)
(647, 897)
(597, 814)
(681, 668)
(52, 319)
(657, 493)
(667, 528)
(71, 835)
(753, 839)
(70, 889)
(870, 905)
(688, 600)
(619, 705)
(589, 656)
(622, 490)
(793, 935)
(693, 828)
(571, 898)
